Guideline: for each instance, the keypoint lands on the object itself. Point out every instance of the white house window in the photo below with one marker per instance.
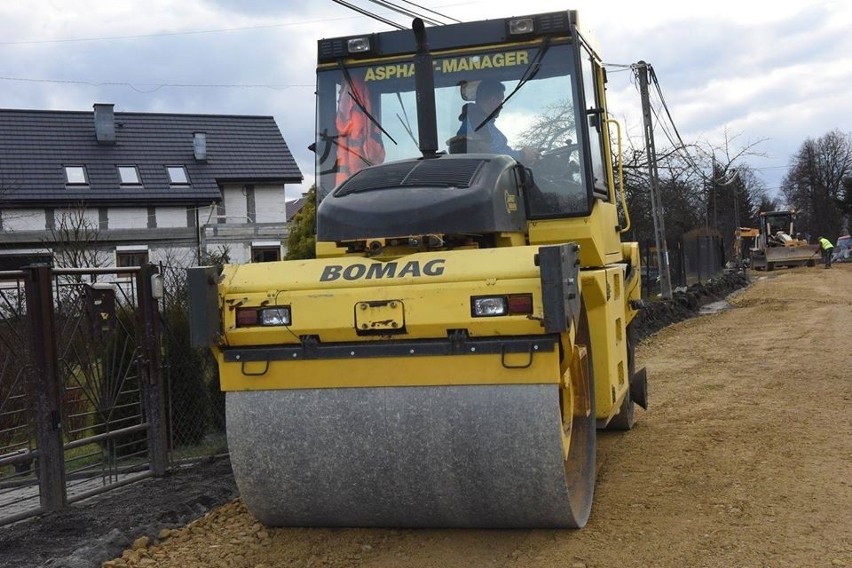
(130, 256)
(76, 175)
(129, 175)
(265, 251)
(177, 175)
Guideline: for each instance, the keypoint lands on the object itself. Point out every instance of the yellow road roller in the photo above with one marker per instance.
(465, 327)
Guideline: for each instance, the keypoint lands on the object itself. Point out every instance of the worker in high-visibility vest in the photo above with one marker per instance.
(827, 250)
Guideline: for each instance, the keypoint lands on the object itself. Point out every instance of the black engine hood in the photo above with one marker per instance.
(450, 194)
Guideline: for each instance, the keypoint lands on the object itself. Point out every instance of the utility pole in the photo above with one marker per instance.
(653, 176)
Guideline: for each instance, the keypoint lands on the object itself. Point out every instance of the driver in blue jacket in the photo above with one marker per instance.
(489, 96)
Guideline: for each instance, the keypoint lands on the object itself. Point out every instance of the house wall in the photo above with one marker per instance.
(254, 202)
(177, 239)
(239, 243)
(75, 217)
(23, 220)
(16, 220)
(236, 207)
(128, 218)
(231, 231)
(270, 204)
(171, 217)
(172, 256)
(240, 253)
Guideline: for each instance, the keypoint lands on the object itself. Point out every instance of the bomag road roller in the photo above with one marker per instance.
(465, 327)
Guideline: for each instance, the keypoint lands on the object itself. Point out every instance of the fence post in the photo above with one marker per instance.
(151, 370)
(46, 387)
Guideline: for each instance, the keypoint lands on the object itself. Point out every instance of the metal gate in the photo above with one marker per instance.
(81, 406)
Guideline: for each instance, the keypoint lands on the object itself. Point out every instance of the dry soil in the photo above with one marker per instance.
(743, 460)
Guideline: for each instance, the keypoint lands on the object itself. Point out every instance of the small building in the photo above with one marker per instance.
(108, 188)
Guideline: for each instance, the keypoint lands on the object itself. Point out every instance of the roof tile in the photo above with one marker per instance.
(35, 144)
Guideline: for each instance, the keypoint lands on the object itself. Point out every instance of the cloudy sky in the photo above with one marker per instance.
(769, 75)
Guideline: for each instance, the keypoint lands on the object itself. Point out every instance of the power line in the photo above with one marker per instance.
(223, 30)
(170, 34)
(398, 9)
(772, 168)
(681, 146)
(369, 14)
(404, 12)
(665, 106)
(155, 86)
(446, 17)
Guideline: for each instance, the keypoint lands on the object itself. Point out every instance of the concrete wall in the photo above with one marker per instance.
(270, 204)
(129, 218)
(171, 217)
(236, 207)
(260, 203)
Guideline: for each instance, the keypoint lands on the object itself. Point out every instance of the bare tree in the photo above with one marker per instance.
(553, 128)
(691, 197)
(817, 183)
(74, 239)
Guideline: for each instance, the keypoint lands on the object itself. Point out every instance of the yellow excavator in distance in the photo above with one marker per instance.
(465, 329)
(778, 244)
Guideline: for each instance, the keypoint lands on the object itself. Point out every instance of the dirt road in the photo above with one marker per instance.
(744, 460)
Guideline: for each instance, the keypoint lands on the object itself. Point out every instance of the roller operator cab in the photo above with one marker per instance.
(446, 359)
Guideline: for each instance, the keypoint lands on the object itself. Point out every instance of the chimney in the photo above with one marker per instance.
(199, 146)
(104, 123)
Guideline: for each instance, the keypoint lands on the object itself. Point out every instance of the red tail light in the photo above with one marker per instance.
(520, 304)
(247, 317)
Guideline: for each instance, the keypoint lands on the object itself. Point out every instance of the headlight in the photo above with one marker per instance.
(521, 26)
(491, 306)
(358, 44)
(275, 316)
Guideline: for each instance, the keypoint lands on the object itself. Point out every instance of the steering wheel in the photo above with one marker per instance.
(559, 154)
(555, 178)
(565, 150)
(556, 165)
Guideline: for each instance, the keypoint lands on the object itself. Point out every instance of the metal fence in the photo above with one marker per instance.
(195, 405)
(695, 258)
(98, 385)
(17, 399)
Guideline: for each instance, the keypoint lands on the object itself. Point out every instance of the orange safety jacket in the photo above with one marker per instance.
(359, 140)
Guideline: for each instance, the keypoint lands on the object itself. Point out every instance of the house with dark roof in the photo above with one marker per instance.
(295, 207)
(142, 186)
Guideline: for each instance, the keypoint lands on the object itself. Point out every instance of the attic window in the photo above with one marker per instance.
(76, 175)
(177, 175)
(129, 175)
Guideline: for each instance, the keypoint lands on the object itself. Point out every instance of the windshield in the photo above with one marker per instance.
(778, 222)
(367, 115)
